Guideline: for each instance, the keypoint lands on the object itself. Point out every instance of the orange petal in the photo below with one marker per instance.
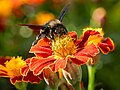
(88, 51)
(59, 64)
(13, 80)
(85, 37)
(31, 78)
(79, 60)
(73, 35)
(38, 64)
(24, 70)
(3, 60)
(27, 60)
(41, 51)
(45, 42)
(106, 46)
(3, 73)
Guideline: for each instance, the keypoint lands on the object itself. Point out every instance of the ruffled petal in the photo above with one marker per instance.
(86, 36)
(79, 60)
(44, 42)
(3, 60)
(24, 71)
(42, 48)
(31, 78)
(3, 71)
(38, 64)
(59, 64)
(41, 51)
(106, 46)
(88, 51)
(73, 35)
(15, 79)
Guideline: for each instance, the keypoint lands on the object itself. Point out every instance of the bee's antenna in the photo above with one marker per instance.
(63, 11)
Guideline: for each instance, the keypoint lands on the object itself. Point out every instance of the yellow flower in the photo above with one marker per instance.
(10, 67)
(13, 66)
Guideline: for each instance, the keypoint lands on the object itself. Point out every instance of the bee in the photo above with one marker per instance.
(52, 28)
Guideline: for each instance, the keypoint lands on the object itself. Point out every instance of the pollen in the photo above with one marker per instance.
(13, 66)
(63, 46)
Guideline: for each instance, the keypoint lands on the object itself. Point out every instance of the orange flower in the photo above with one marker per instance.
(10, 67)
(35, 1)
(5, 8)
(44, 17)
(105, 44)
(56, 54)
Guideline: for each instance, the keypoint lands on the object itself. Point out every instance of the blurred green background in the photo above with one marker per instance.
(16, 40)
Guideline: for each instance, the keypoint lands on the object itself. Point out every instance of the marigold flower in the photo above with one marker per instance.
(105, 44)
(10, 67)
(56, 54)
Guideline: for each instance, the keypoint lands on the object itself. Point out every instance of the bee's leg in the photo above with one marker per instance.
(64, 30)
(51, 34)
(37, 39)
(35, 42)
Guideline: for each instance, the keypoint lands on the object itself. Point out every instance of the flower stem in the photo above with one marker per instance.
(91, 73)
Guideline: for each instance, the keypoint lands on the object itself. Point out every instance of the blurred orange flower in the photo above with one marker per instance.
(34, 2)
(5, 7)
(43, 17)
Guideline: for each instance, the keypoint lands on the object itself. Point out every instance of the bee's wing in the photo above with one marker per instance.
(64, 11)
(33, 26)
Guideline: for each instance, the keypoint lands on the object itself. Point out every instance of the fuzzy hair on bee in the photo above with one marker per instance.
(52, 28)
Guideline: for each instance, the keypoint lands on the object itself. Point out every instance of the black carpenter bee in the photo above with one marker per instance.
(52, 28)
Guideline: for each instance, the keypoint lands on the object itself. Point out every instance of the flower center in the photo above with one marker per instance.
(13, 66)
(63, 46)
